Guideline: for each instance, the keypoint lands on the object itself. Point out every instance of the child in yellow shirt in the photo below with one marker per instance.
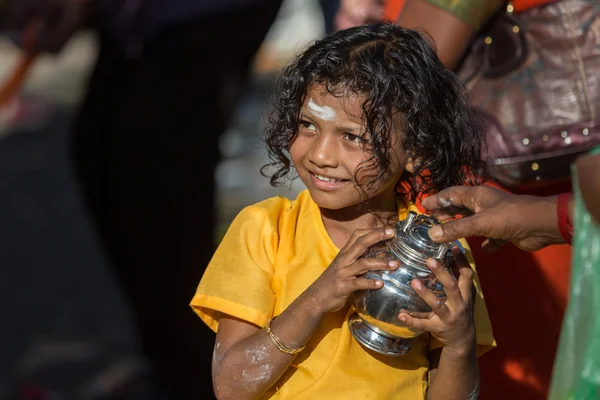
(355, 116)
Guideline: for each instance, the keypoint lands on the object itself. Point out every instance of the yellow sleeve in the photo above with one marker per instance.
(237, 281)
(483, 326)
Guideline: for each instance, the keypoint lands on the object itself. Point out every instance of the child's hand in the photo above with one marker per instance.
(451, 321)
(330, 292)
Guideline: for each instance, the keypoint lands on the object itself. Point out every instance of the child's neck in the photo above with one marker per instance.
(340, 224)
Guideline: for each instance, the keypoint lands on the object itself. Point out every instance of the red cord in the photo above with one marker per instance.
(564, 222)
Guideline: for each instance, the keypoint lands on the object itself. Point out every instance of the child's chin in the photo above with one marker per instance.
(331, 200)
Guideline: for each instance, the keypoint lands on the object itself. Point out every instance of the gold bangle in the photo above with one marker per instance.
(279, 344)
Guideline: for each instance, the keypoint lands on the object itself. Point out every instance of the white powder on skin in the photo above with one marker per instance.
(217, 356)
(216, 362)
(257, 375)
(259, 370)
(257, 356)
(323, 112)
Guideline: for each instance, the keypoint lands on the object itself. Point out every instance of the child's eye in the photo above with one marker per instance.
(353, 138)
(308, 126)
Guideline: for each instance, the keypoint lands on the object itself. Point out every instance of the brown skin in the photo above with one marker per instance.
(332, 147)
(529, 222)
(450, 35)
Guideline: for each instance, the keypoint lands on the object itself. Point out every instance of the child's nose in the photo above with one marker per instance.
(324, 153)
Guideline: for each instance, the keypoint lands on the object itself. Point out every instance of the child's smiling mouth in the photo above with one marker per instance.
(326, 182)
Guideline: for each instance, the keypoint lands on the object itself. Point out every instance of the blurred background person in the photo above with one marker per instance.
(533, 66)
(145, 148)
(146, 141)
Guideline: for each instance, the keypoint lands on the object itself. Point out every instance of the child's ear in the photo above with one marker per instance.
(410, 165)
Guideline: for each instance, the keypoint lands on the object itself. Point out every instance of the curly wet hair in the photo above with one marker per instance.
(403, 82)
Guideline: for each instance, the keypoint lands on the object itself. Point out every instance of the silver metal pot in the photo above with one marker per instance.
(376, 324)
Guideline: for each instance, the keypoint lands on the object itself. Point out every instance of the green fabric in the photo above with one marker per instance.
(577, 367)
(474, 13)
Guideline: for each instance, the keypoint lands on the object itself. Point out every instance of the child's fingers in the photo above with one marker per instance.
(447, 280)
(418, 315)
(466, 273)
(352, 285)
(369, 264)
(360, 243)
(353, 238)
(425, 324)
(437, 305)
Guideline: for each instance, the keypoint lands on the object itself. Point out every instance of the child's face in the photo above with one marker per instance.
(329, 149)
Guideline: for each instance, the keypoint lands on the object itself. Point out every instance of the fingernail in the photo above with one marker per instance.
(445, 202)
(389, 231)
(431, 263)
(378, 283)
(393, 264)
(402, 318)
(417, 285)
(435, 232)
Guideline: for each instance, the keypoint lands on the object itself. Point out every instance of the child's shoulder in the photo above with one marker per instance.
(271, 205)
(274, 209)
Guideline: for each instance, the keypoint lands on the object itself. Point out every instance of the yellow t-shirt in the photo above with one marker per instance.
(272, 252)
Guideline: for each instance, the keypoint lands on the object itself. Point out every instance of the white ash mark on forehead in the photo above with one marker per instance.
(322, 112)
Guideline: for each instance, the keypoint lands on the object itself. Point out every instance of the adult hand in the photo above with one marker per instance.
(55, 21)
(527, 221)
(358, 12)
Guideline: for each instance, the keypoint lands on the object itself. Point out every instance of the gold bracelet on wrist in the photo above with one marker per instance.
(279, 344)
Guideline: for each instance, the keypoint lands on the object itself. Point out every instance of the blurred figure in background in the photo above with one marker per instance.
(358, 12)
(533, 66)
(329, 9)
(145, 147)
